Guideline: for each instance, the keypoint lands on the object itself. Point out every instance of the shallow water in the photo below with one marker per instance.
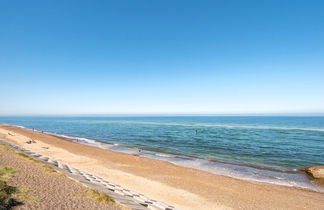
(234, 146)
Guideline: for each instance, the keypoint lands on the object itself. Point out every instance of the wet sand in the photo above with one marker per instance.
(182, 187)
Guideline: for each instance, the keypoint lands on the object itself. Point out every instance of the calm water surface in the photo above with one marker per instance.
(209, 143)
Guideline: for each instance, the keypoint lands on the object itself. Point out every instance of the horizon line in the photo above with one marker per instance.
(165, 114)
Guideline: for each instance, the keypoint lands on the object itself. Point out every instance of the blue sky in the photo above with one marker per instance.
(161, 57)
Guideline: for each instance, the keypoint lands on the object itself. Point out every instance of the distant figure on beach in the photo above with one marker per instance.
(138, 152)
(31, 141)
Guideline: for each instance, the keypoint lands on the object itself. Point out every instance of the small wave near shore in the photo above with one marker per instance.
(266, 175)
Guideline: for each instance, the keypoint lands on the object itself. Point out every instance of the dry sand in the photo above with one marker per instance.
(182, 187)
(47, 189)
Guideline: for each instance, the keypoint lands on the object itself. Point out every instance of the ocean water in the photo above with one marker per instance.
(266, 149)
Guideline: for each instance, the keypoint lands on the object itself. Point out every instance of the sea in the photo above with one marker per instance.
(268, 149)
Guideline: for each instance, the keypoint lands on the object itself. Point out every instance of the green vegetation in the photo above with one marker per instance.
(10, 194)
(47, 168)
(5, 147)
(100, 197)
(27, 157)
(6, 173)
(6, 191)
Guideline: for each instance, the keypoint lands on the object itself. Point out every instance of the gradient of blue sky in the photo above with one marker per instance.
(220, 57)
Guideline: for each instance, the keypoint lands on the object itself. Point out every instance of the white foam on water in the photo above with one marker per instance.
(128, 150)
(85, 141)
(162, 155)
(18, 126)
(247, 173)
(214, 125)
(74, 138)
(235, 171)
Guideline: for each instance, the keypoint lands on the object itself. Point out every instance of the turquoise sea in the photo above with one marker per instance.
(267, 149)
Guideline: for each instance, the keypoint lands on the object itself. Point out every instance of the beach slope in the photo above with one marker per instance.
(30, 184)
(182, 187)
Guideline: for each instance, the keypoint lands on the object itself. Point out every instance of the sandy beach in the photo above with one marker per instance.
(38, 186)
(182, 187)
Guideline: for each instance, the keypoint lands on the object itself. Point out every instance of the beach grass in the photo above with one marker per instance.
(9, 194)
(6, 173)
(100, 197)
(47, 168)
(12, 195)
(5, 147)
(6, 191)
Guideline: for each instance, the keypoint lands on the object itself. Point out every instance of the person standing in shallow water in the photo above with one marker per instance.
(138, 152)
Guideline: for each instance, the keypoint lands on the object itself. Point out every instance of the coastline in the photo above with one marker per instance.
(186, 188)
(238, 170)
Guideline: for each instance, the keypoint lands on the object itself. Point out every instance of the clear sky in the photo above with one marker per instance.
(162, 57)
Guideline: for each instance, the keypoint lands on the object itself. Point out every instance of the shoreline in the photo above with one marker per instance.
(186, 188)
(247, 172)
